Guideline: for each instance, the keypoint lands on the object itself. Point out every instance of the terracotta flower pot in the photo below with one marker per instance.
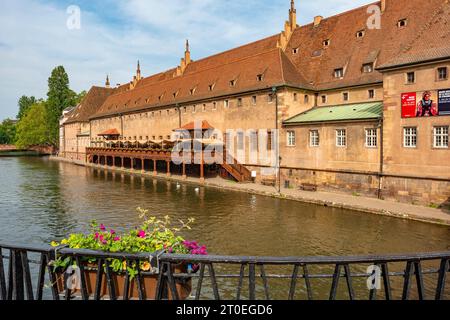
(149, 284)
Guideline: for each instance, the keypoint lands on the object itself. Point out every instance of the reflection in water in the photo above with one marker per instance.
(42, 200)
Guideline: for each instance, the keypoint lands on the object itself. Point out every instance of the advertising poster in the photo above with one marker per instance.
(409, 105)
(444, 102)
(426, 104)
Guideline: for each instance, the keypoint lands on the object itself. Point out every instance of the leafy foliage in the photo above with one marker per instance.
(32, 129)
(151, 236)
(60, 97)
(25, 104)
(7, 132)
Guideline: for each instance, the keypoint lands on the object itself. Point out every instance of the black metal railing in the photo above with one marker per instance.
(31, 276)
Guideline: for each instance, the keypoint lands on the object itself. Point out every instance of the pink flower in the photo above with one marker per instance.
(141, 234)
(96, 236)
(113, 232)
(117, 239)
(102, 239)
(102, 227)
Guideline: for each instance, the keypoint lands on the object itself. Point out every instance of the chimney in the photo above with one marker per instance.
(383, 5)
(317, 20)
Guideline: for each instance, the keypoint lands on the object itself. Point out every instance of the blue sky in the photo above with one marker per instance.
(34, 37)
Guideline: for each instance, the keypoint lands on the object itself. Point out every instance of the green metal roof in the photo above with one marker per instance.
(349, 112)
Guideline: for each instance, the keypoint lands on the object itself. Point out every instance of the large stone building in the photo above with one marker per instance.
(361, 102)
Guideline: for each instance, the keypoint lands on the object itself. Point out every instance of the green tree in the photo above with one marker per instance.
(60, 97)
(32, 128)
(24, 104)
(8, 132)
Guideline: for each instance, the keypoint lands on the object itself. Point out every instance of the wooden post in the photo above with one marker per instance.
(143, 165)
(168, 168)
(184, 171)
(114, 162)
(121, 163)
(132, 164)
(155, 172)
(202, 169)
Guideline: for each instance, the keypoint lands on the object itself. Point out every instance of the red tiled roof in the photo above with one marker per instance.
(110, 132)
(433, 42)
(89, 105)
(349, 52)
(192, 126)
(275, 67)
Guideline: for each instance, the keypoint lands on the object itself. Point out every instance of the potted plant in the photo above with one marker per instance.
(151, 236)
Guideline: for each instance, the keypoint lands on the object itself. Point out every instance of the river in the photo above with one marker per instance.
(43, 200)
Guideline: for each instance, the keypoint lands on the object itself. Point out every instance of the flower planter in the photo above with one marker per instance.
(149, 284)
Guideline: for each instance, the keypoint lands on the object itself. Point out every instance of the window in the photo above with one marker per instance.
(185, 110)
(232, 83)
(254, 100)
(204, 107)
(314, 139)
(270, 98)
(371, 138)
(269, 139)
(324, 99)
(326, 43)
(345, 96)
(367, 67)
(295, 50)
(371, 94)
(291, 138)
(339, 73)
(440, 135)
(140, 137)
(360, 34)
(192, 91)
(410, 77)
(193, 108)
(175, 94)
(306, 98)
(295, 96)
(341, 138)
(211, 87)
(260, 77)
(442, 73)
(239, 102)
(254, 141)
(240, 140)
(402, 23)
(214, 105)
(226, 103)
(168, 112)
(410, 137)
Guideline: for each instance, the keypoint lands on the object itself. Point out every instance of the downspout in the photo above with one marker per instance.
(380, 174)
(278, 160)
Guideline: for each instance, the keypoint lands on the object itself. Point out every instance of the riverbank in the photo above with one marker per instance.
(336, 200)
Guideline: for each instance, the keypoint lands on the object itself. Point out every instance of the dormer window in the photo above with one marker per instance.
(295, 50)
(161, 97)
(339, 73)
(326, 43)
(232, 83)
(175, 94)
(192, 91)
(367, 67)
(211, 87)
(260, 77)
(360, 34)
(402, 23)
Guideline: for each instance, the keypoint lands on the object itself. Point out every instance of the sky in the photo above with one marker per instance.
(113, 35)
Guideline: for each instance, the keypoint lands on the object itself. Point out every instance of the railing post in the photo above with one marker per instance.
(18, 287)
